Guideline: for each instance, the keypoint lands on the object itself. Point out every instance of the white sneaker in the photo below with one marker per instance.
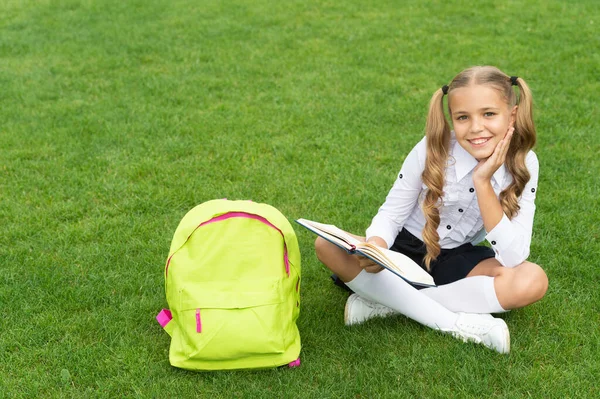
(482, 329)
(359, 309)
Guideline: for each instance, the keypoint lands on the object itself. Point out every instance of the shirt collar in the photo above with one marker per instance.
(465, 163)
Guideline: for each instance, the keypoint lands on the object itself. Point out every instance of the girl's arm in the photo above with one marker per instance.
(511, 239)
(401, 199)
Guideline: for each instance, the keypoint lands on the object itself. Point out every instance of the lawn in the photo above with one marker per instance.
(117, 117)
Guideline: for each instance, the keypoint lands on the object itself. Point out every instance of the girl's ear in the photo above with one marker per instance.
(513, 115)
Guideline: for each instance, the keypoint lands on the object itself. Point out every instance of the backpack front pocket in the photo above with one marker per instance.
(231, 320)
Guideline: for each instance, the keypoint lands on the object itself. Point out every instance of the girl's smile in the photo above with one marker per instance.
(480, 142)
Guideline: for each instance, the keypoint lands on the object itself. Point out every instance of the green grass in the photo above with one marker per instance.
(118, 117)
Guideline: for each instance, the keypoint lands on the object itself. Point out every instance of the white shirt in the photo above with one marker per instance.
(460, 218)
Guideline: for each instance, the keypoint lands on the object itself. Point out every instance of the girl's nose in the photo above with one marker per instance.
(476, 125)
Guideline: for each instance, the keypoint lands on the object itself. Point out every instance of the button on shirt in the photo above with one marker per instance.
(460, 218)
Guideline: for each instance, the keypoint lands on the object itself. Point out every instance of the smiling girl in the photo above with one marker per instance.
(456, 189)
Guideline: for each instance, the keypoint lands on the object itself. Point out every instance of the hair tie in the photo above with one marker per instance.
(513, 80)
(445, 89)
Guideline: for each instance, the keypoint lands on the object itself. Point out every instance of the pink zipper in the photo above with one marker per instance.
(230, 215)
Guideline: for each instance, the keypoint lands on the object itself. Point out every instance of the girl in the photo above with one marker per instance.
(455, 189)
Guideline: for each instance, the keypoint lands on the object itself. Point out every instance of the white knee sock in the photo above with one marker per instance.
(472, 294)
(390, 290)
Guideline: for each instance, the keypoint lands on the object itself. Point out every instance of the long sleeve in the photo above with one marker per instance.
(402, 197)
(511, 239)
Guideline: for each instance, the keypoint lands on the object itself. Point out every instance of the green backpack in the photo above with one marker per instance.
(232, 281)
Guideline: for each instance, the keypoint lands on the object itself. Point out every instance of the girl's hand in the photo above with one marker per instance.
(487, 167)
(368, 265)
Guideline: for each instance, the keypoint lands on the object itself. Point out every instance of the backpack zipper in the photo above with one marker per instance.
(230, 215)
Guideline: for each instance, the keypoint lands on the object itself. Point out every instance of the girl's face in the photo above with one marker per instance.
(480, 117)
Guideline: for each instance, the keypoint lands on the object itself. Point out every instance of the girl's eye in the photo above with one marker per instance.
(461, 118)
(489, 114)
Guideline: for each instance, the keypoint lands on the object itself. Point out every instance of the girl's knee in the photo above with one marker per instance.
(522, 285)
(322, 247)
(532, 280)
(320, 244)
(538, 280)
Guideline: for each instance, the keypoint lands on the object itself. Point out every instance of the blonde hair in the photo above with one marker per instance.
(437, 131)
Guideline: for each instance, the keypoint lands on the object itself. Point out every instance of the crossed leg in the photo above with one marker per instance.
(450, 308)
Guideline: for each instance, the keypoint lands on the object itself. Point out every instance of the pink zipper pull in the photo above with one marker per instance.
(198, 321)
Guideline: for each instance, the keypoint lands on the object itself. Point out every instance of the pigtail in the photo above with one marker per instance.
(521, 143)
(437, 132)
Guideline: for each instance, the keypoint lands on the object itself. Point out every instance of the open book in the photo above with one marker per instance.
(397, 263)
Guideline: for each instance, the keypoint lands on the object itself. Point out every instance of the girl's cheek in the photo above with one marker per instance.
(499, 126)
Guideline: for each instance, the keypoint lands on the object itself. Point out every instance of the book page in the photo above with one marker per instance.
(331, 230)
